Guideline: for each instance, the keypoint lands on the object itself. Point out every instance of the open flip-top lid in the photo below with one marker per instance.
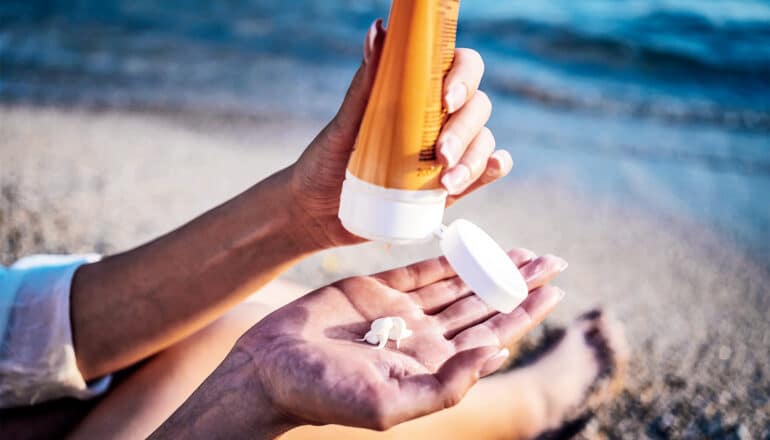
(406, 216)
(483, 265)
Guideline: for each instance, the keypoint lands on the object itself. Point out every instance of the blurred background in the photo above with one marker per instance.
(640, 131)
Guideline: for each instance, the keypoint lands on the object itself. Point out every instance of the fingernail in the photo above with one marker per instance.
(505, 160)
(561, 265)
(449, 147)
(456, 179)
(371, 37)
(455, 97)
(495, 362)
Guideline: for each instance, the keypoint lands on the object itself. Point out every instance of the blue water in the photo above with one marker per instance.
(664, 104)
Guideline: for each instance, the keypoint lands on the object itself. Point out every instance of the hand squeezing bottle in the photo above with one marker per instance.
(392, 191)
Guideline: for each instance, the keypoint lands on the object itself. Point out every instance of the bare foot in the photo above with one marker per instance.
(576, 370)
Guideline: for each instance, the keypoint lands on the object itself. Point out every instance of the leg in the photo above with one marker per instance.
(518, 404)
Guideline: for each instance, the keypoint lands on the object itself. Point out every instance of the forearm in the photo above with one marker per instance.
(228, 404)
(132, 305)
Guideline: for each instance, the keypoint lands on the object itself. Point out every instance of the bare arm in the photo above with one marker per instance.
(132, 305)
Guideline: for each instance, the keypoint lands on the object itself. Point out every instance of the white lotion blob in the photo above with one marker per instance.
(384, 329)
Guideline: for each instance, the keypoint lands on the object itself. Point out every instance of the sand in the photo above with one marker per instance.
(695, 306)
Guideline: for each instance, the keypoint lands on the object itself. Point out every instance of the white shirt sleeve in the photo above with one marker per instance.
(37, 358)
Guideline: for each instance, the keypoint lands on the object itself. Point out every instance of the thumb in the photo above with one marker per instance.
(348, 119)
(462, 371)
(424, 394)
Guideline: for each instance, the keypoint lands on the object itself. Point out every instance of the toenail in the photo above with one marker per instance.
(593, 314)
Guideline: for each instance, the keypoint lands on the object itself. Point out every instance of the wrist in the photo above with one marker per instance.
(231, 403)
(313, 215)
(244, 396)
(290, 219)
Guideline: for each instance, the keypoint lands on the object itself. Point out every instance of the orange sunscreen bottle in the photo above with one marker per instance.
(392, 190)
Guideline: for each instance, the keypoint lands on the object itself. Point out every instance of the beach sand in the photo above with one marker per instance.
(695, 307)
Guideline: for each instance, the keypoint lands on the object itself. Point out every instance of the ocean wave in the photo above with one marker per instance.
(667, 44)
(667, 110)
(673, 66)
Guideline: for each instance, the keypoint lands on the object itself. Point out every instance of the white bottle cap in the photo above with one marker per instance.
(483, 265)
(402, 217)
(390, 215)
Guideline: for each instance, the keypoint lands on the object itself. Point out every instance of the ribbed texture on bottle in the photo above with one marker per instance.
(396, 145)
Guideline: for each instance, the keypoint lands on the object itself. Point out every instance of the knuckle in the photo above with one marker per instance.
(483, 147)
(380, 418)
(523, 314)
(381, 280)
(343, 283)
(461, 128)
(488, 137)
(463, 340)
(479, 306)
(419, 302)
(451, 399)
(480, 61)
(370, 283)
(378, 423)
(466, 306)
(355, 283)
(413, 313)
(474, 57)
(543, 264)
(413, 272)
(379, 426)
(483, 99)
(454, 285)
(550, 257)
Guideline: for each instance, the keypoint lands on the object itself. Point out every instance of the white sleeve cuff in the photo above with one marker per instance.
(37, 358)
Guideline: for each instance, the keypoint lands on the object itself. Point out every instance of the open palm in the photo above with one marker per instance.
(312, 368)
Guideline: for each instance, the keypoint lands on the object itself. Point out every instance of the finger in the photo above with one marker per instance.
(438, 295)
(472, 310)
(373, 41)
(464, 313)
(351, 112)
(505, 329)
(462, 128)
(495, 362)
(463, 78)
(472, 164)
(542, 270)
(427, 393)
(417, 275)
(462, 371)
(499, 165)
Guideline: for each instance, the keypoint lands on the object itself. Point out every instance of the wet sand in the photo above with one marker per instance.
(695, 306)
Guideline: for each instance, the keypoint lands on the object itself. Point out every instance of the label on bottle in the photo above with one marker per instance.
(396, 145)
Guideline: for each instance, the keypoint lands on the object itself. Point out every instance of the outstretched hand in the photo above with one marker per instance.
(465, 147)
(307, 361)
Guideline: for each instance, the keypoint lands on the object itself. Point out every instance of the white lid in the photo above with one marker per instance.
(389, 215)
(483, 265)
(409, 216)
